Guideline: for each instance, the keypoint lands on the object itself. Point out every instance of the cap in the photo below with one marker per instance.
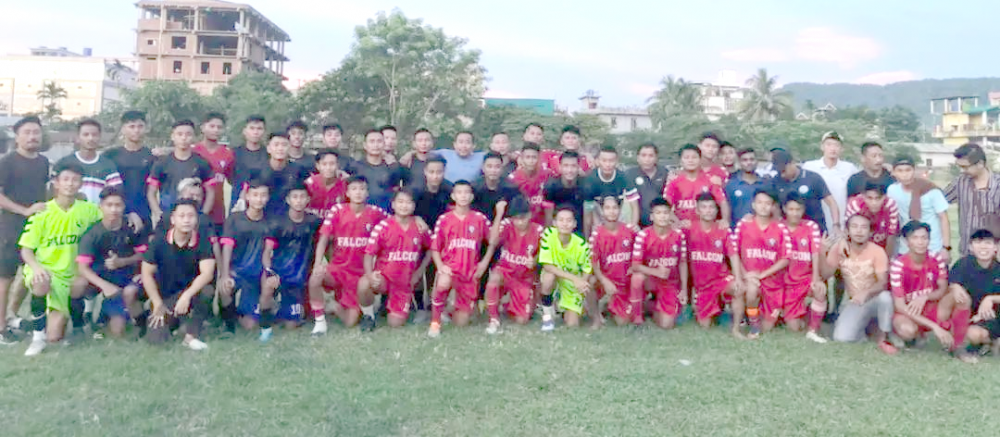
(781, 158)
(903, 160)
(832, 135)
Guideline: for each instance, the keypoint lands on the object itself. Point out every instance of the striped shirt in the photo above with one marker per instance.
(98, 173)
(976, 208)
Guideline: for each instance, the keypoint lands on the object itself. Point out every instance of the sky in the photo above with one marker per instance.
(559, 49)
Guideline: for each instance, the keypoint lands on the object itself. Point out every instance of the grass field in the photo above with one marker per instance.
(570, 383)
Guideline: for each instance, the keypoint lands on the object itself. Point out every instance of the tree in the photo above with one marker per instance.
(513, 121)
(900, 124)
(763, 102)
(50, 95)
(253, 93)
(115, 69)
(401, 72)
(675, 97)
(164, 102)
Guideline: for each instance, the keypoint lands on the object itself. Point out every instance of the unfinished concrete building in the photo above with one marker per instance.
(205, 42)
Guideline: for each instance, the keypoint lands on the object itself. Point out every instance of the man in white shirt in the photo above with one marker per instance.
(835, 172)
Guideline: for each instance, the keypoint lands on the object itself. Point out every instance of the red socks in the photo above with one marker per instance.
(493, 301)
(438, 301)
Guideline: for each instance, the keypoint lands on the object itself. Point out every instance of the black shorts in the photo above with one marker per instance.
(10, 253)
(991, 326)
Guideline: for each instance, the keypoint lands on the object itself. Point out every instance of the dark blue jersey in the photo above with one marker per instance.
(99, 242)
(247, 239)
(280, 182)
(293, 255)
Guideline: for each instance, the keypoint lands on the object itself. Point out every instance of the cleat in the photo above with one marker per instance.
(195, 344)
(814, 336)
(319, 329)
(548, 325)
(37, 345)
(15, 323)
(265, 335)
(7, 337)
(435, 330)
(367, 324)
(494, 327)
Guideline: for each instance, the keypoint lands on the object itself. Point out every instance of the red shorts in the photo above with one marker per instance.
(711, 298)
(666, 294)
(621, 304)
(772, 301)
(466, 292)
(794, 306)
(931, 313)
(345, 287)
(522, 296)
(400, 295)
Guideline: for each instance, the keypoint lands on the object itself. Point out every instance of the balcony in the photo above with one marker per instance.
(967, 130)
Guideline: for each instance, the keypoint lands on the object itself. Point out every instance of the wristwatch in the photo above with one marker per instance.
(947, 248)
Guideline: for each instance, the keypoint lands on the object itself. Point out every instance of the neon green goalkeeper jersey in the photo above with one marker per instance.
(54, 234)
(574, 258)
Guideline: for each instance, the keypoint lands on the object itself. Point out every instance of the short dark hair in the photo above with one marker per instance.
(68, 166)
(518, 206)
(180, 123)
(608, 149)
(982, 234)
(710, 136)
(604, 199)
(707, 197)
(868, 145)
(880, 187)
(793, 196)
(31, 119)
(462, 132)
(687, 147)
(387, 127)
(746, 150)
(326, 152)
(371, 131)
(130, 116)
(256, 182)
(535, 124)
(571, 154)
(184, 202)
(494, 134)
(214, 116)
(531, 146)
(767, 192)
(659, 201)
(333, 126)
(565, 207)
(256, 118)
(274, 135)
(420, 131)
(405, 190)
(434, 157)
(357, 179)
(297, 185)
(88, 122)
(726, 144)
(461, 182)
(852, 217)
(570, 129)
(492, 155)
(971, 152)
(112, 191)
(913, 226)
(297, 124)
(656, 150)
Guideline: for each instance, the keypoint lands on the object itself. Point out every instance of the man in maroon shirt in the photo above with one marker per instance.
(222, 161)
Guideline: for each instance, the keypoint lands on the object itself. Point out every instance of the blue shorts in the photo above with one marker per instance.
(292, 301)
(115, 306)
(249, 302)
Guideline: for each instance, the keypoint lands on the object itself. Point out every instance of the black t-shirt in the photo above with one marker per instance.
(812, 188)
(280, 182)
(430, 205)
(177, 267)
(205, 227)
(169, 171)
(307, 160)
(856, 183)
(246, 164)
(417, 172)
(382, 180)
(648, 188)
(293, 255)
(485, 199)
(557, 193)
(124, 242)
(979, 282)
(595, 188)
(247, 238)
(134, 167)
(23, 181)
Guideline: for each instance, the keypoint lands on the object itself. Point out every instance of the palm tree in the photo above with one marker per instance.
(763, 102)
(50, 95)
(115, 69)
(675, 97)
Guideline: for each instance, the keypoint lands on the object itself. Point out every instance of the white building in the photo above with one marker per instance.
(91, 83)
(722, 96)
(620, 119)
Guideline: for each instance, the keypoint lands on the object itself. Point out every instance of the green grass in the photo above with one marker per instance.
(569, 383)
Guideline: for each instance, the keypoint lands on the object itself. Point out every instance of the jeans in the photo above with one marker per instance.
(855, 318)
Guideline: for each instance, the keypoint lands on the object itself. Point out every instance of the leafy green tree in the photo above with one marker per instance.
(676, 97)
(514, 120)
(164, 102)
(253, 93)
(763, 101)
(900, 124)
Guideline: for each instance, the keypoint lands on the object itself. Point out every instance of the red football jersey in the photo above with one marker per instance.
(683, 192)
(653, 250)
(532, 187)
(222, 161)
(397, 251)
(760, 248)
(519, 253)
(322, 198)
(351, 232)
(707, 252)
(909, 280)
(806, 242)
(885, 222)
(612, 251)
(551, 159)
(717, 171)
(459, 240)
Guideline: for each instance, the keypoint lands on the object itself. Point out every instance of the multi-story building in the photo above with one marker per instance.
(964, 121)
(721, 97)
(90, 83)
(205, 42)
(619, 119)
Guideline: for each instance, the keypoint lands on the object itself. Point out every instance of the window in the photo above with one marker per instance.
(178, 67)
(178, 42)
(151, 59)
(614, 122)
(204, 67)
(930, 162)
(227, 68)
(150, 42)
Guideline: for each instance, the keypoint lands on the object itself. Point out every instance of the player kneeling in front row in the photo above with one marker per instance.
(708, 245)
(395, 260)
(978, 275)
(566, 266)
(242, 269)
(762, 244)
(921, 296)
(455, 246)
(803, 278)
(109, 258)
(49, 247)
(659, 265)
(288, 254)
(175, 271)
(516, 272)
(612, 243)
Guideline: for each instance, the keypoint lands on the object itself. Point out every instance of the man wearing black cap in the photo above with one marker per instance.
(808, 184)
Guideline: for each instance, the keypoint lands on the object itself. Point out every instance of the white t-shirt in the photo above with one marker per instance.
(836, 181)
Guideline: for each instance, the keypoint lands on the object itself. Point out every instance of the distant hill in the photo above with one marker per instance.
(914, 95)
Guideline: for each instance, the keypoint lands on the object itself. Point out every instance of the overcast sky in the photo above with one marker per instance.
(559, 48)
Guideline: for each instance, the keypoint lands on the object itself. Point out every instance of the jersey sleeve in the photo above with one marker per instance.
(682, 245)
(112, 177)
(853, 206)
(815, 238)
(34, 227)
(486, 225)
(896, 278)
(141, 240)
(228, 237)
(545, 255)
(671, 193)
(594, 255)
(204, 250)
(942, 270)
(157, 173)
(893, 210)
(150, 257)
(6, 175)
(376, 238)
(88, 251)
(329, 221)
(638, 248)
(584, 257)
(957, 273)
(631, 191)
(437, 236)
(734, 238)
(938, 201)
(785, 245)
(206, 174)
(718, 193)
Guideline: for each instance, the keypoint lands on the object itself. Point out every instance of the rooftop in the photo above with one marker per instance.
(212, 4)
(982, 109)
